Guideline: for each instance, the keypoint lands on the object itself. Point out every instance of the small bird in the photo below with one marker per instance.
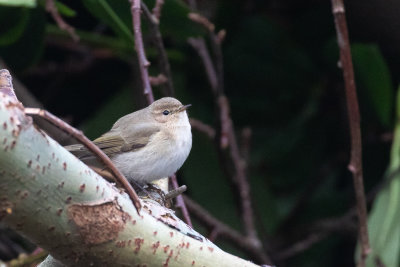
(148, 144)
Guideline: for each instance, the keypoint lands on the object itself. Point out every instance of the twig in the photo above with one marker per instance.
(143, 62)
(52, 9)
(224, 231)
(246, 143)
(355, 165)
(202, 127)
(90, 146)
(196, 17)
(225, 135)
(180, 203)
(176, 192)
(157, 9)
(320, 230)
(162, 55)
(200, 47)
(158, 80)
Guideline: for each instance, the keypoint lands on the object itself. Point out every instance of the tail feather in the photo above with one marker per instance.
(81, 152)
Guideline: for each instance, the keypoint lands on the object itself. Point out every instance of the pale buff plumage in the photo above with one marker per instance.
(148, 144)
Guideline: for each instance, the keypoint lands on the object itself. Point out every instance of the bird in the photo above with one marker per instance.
(146, 145)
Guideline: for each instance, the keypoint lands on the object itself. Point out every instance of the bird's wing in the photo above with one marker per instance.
(125, 138)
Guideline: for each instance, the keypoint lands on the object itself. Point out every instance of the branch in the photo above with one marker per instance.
(56, 201)
(91, 147)
(180, 203)
(52, 9)
(202, 127)
(159, 44)
(355, 165)
(200, 47)
(225, 134)
(135, 8)
(157, 9)
(143, 62)
(218, 228)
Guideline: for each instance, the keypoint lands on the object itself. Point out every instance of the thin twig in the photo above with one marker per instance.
(224, 231)
(180, 203)
(246, 143)
(162, 54)
(225, 134)
(200, 47)
(176, 192)
(319, 231)
(143, 62)
(200, 19)
(355, 165)
(158, 80)
(91, 147)
(202, 127)
(52, 9)
(157, 9)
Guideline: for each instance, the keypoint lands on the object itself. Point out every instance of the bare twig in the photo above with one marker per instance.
(355, 165)
(158, 80)
(202, 127)
(246, 143)
(143, 62)
(90, 146)
(180, 203)
(320, 230)
(157, 9)
(222, 230)
(162, 55)
(225, 134)
(200, 19)
(201, 48)
(176, 192)
(52, 9)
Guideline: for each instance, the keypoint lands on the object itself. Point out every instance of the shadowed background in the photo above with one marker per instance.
(284, 86)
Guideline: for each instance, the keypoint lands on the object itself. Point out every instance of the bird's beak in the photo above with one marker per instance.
(183, 108)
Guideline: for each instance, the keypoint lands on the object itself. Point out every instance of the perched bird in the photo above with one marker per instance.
(147, 144)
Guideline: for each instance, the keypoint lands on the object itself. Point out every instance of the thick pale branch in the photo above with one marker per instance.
(56, 201)
(92, 147)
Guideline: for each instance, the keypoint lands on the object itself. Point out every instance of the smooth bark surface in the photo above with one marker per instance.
(57, 202)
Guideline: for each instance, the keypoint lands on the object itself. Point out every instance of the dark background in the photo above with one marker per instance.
(282, 80)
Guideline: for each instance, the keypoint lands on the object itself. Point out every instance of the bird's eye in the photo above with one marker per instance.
(165, 112)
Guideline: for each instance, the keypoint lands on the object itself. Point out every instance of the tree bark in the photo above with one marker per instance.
(60, 204)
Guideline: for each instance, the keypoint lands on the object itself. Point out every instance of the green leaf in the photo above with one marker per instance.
(65, 10)
(383, 222)
(115, 14)
(373, 73)
(24, 3)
